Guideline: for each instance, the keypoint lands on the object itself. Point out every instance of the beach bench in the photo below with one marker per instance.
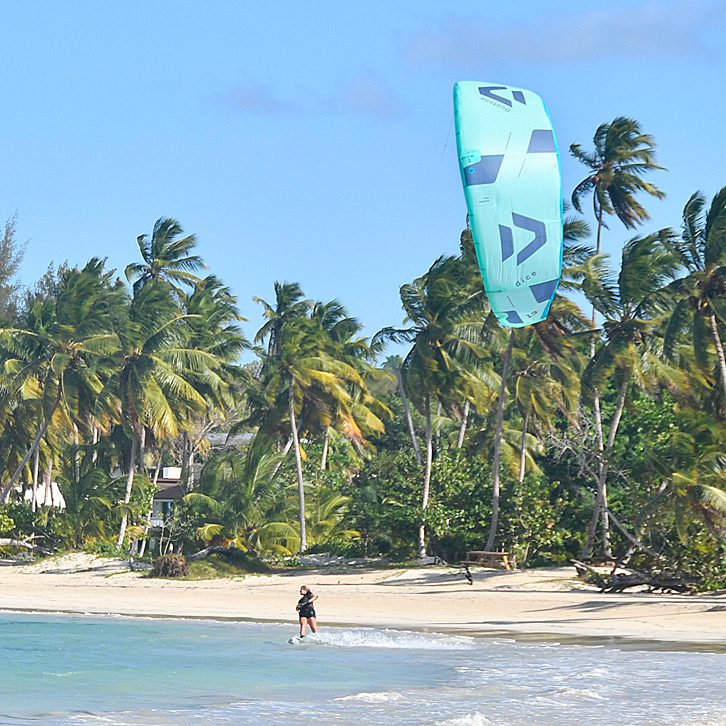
(495, 560)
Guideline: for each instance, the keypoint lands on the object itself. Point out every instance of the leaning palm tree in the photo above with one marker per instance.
(166, 256)
(701, 250)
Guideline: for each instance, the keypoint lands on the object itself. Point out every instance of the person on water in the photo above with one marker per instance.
(306, 611)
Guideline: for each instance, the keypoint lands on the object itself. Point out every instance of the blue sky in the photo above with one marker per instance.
(314, 141)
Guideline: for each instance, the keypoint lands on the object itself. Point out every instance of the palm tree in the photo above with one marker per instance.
(395, 363)
(62, 350)
(698, 488)
(290, 304)
(240, 497)
(622, 154)
(631, 349)
(701, 250)
(498, 426)
(155, 374)
(364, 414)
(88, 492)
(213, 323)
(165, 256)
(296, 364)
(542, 385)
(447, 323)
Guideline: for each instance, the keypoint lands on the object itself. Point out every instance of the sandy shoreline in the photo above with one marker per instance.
(545, 602)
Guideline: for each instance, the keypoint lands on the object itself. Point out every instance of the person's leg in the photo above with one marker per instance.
(303, 626)
(313, 624)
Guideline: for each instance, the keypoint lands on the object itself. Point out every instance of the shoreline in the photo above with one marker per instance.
(547, 604)
(524, 636)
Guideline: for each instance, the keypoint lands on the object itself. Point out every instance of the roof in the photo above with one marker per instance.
(172, 492)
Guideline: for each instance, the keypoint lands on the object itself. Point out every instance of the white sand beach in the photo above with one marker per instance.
(548, 601)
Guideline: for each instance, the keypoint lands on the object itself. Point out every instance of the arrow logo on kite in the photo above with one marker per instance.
(506, 237)
(516, 95)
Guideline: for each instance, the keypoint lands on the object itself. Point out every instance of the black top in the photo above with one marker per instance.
(305, 607)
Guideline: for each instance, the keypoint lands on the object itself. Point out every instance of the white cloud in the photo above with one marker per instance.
(366, 94)
(651, 30)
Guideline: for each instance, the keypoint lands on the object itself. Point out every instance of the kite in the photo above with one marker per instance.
(510, 169)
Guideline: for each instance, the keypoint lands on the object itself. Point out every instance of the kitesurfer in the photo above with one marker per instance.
(306, 610)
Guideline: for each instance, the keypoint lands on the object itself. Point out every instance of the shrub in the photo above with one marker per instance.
(170, 566)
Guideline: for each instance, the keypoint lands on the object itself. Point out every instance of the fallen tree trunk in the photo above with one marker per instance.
(619, 581)
(5, 542)
(226, 551)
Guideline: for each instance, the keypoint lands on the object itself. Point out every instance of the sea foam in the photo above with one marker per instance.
(375, 638)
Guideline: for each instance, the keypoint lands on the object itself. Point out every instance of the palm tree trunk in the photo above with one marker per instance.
(421, 553)
(462, 428)
(191, 480)
(48, 480)
(298, 464)
(36, 443)
(597, 507)
(184, 460)
(129, 486)
(76, 453)
(592, 526)
(94, 440)
(142, 450)
(284, 451)
(36, 462)
(409, 418)
(438, 426)
(499, 425)
(603, 486)
(326, 444)
(523, 449)
(147, 526)
(719, 352)
(598, 244)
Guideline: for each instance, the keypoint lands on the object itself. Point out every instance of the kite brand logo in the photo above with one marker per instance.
(488, 92)
(506, 237)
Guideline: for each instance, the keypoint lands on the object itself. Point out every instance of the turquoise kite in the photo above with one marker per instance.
(510, 168)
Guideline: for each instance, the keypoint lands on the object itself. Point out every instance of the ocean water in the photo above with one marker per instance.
(113, 670)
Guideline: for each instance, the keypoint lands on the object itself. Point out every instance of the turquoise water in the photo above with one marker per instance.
(76, 670)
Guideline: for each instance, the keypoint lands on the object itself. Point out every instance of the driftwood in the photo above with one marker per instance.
(5, 542)
(25, 544)
(619, 581)
(226, 551)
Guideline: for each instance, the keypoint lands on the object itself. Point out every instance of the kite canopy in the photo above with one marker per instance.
(510, 169)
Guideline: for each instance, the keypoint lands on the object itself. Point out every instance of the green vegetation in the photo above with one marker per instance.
(596, 434)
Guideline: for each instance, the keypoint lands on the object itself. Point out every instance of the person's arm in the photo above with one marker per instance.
(313, 599)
